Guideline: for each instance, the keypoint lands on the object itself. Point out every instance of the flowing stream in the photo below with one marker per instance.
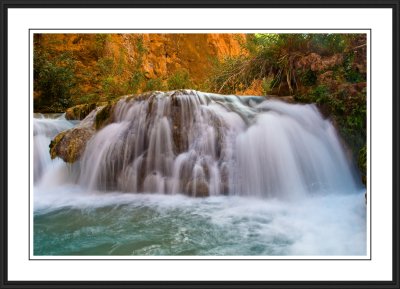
(191, 173)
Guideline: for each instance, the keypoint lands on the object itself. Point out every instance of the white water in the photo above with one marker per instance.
(44, 130)
(290, 189)
(193, 143)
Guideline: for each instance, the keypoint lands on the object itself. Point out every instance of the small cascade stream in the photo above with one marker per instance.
(274, 171)
(45, 128)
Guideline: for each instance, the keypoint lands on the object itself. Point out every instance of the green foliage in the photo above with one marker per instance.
(353, 122)
(362, 163)
(105, 65)
(54, 79)
(349, 112)
(140, 46)
(135, 81)
(276, 55)
(100, 44)
(352, 74)
(179, 80)
(320, 95)
(308, 77)
(121, 62)
(266, 85)
(154, 84)
(88, 98)
(327, 44)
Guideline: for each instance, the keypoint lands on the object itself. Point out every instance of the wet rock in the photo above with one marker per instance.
(104, 116)
(79, 112)
(198, 188)
(70, 144)
(224, 180)
(180, 144)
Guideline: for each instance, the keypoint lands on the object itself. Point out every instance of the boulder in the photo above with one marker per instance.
(70, 144)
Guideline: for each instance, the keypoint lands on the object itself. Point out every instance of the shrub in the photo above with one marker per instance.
(100, 44)
(54, 79)
(308, 77)
(154, 84)
(350, 72)
(179, 80)
(135, 81)
(320, 94)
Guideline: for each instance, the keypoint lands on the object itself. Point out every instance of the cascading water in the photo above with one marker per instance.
(259, 161)
(44, 130)
(203, 144)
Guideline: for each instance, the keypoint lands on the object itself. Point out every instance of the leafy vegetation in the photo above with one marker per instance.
(154, 84)
(179, 80)
(280, 56)
(54, 80)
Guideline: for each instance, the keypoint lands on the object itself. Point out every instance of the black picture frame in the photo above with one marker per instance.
(5, 159)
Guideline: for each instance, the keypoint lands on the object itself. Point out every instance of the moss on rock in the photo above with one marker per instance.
(70, 144)
(104, 116)
(80, 111)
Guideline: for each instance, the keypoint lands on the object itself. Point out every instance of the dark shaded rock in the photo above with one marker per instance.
(224, 180)
(180, 143)
(199, 189)
(104, 116)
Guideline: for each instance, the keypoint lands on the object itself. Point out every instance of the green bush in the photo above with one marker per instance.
(54, 80)
(320, 94)
(88, 98)
(105, 65)
(135, 81)
(100, 44)
(351, 74)
(179, 80)
(362, 163)
(154, 84)
(275, 55)
(308, 77)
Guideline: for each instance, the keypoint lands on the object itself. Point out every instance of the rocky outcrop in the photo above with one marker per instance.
(192, 52)
(108, 65)
(80, 111)
(70, 144)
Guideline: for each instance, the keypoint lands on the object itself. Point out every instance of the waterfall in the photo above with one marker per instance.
(277, 179)
(44, 130)
(201, 144)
